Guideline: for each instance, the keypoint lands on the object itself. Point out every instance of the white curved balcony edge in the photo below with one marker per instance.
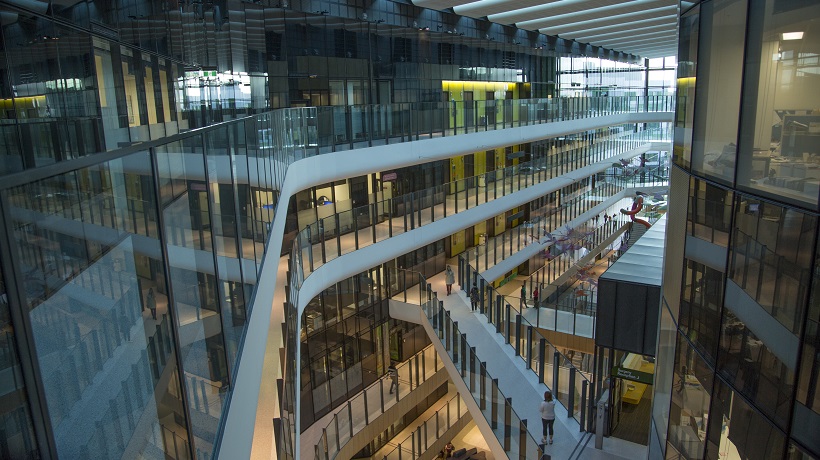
(237, 437)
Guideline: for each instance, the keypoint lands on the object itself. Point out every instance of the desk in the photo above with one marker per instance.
(634, 392)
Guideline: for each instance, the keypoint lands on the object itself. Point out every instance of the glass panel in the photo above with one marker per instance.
(719, 79)
(734, 426)
(97, 301)
(691, 393)
(701, 299)
(709, 213)
(664, 380)
(15, 417)
(780, 135)
(771, 258)
(194, 284)
(755, 369)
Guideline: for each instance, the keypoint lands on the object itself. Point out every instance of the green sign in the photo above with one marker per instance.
(632, 374)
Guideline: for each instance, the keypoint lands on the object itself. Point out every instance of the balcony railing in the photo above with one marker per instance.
(368, 405)
(429, 432)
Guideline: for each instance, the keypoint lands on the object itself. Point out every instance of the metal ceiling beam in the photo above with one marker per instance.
(631, 32)
(440, 4)
(665, 15)
(557, 14)
(481, 8)
(663, 35)
(649, 49)
(626, 29)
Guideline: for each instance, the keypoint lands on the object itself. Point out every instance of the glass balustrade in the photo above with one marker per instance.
(424, 437)
(344, 232)
(371, 403)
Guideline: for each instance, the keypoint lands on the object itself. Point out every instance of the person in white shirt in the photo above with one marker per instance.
(547, 416)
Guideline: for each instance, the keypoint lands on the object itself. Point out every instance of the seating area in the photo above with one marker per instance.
(468, 454)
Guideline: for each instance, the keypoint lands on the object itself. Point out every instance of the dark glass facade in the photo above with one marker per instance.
(739, 319)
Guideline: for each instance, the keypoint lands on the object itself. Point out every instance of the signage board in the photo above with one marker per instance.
(389, 177)
(633, 375)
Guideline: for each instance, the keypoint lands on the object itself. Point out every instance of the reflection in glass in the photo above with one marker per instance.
(15, 416)
(780, 131)
(718, 86)
(93, 291)
(736, 430)
(691, 394)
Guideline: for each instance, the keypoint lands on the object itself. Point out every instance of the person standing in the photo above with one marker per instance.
(547, 416)
(523, 303)
(152, 303)
(449, 279)
(535, 296)
(448, 449)
(474, 297)
(393, 373)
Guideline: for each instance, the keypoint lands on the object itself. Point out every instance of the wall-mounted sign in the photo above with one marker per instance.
(389, 177)
(632, 374)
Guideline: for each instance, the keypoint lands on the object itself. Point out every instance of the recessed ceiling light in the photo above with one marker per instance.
(792, 35)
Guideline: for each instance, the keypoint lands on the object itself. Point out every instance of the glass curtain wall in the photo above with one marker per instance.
(745, 371)
(137, 272)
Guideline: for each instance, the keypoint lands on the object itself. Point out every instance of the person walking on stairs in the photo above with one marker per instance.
(547, 416)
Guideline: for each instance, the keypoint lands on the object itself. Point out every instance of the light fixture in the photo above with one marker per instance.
(792, 35)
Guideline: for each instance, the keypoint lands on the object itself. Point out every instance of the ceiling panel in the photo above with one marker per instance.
(646, 28)
(642, 29)
(667, 16)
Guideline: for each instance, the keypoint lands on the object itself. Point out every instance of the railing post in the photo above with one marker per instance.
(418, 380)
(482, 290)
(463, 350)
(507, 324)
(324, 446)
(447, 333)
(473, 358)
(336, 423)
(522, 440)
(350, 415)
(494, 405)
(517, 335)
(529, 347)
(542, 356)
(584, 385)
(381, 393)
(498, 306)
(366, 412)
(438, 324)
(555, 360)
(482, 386)
(571, 405)
(507, 423)
(455, 341)
(461, 274)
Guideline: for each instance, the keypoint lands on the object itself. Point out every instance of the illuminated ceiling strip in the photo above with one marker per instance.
(492, 7)
(661, 24)
(595, 24)
(638, 38)
(563, 13)
(440, 4)
(643, 31)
